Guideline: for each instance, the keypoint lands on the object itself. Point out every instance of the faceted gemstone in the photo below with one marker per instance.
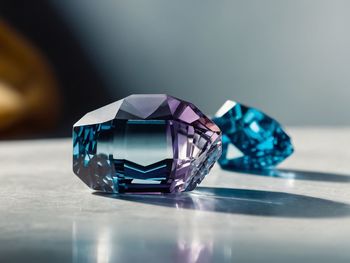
(250, 138)
(145, 143)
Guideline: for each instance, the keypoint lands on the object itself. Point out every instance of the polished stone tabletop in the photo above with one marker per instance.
(299, 213)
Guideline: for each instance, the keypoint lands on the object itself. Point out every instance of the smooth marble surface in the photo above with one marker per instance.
(300, 213)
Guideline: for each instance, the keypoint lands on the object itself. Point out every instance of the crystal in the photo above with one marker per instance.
(145, 143)
(250, 139)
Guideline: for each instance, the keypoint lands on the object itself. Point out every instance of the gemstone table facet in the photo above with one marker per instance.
(250, 139)
(145, 143)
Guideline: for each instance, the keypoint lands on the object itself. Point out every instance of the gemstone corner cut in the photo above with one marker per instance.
(251, 140)
(145, 143)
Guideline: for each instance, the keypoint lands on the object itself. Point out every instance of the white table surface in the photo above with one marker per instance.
(302, 214)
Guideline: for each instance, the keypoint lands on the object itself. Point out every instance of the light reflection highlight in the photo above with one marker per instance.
(103, 246)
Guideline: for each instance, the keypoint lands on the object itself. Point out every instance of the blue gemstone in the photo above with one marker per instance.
(250, 139)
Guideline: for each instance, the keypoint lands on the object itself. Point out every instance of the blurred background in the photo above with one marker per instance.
(62, 58)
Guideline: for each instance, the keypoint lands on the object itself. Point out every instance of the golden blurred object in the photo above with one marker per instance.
(29, 99)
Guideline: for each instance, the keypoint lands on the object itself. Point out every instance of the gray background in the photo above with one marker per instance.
(289, 58)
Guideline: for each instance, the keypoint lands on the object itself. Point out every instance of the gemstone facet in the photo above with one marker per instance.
(250, 139)
(145, 143)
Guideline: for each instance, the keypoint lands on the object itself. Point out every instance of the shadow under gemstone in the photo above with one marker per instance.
(243, 201)
(296, 174)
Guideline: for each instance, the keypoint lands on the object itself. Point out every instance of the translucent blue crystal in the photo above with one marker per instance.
(250, 139)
